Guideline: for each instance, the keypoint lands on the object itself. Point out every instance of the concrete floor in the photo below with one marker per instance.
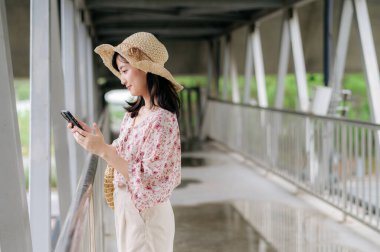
(225, 204)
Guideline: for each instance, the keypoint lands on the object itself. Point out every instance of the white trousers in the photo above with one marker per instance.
(151, 231)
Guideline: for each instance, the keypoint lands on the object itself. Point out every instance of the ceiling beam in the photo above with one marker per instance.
(210, 4)
(116, 39)
(215, 10)
(137, 17)
(161, 31)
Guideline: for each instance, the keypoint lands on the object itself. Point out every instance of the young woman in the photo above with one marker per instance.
(147, 154)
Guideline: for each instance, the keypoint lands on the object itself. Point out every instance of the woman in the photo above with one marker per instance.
(147, 154)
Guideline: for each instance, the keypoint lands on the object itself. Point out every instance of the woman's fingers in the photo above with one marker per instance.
(82, 132)
(84, 125)
(79, 138)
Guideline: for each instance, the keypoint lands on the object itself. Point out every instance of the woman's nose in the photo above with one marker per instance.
(123, 81)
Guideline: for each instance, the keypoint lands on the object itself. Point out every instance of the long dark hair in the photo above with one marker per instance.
(159, 87)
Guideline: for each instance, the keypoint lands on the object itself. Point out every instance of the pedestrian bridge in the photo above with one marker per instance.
(256, 175)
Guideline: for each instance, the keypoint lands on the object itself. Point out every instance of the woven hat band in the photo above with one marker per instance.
(138, 54)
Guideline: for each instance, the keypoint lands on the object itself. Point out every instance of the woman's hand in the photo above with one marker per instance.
(91, 139)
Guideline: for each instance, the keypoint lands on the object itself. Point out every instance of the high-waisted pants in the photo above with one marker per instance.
(150, 231)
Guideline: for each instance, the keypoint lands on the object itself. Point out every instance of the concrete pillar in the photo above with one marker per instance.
(40, 144)
(59, 125)
(15, 232)
(70, 73)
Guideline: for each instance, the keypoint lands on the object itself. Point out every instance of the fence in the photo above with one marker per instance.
(336, 160)
(83, 227)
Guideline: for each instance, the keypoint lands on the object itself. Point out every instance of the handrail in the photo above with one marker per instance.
(71, 232)
(355, 122)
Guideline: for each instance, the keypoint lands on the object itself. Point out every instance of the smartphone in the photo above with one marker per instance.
(70, 118)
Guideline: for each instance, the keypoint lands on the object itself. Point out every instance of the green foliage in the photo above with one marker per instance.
(117, 112)
(359, 107)
(22, 89)
(192, 80)
(23, 124)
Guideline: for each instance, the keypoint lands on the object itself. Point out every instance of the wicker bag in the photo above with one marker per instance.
(108, 186)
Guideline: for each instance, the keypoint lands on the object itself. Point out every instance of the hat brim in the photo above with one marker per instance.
(107, 51)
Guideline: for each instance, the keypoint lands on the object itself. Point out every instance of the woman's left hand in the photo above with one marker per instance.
(92, 142)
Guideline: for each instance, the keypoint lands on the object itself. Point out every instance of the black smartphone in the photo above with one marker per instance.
(70, 118)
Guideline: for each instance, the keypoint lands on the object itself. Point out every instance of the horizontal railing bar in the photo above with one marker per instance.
(303, 114)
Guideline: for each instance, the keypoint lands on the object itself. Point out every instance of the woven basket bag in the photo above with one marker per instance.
(108, 186)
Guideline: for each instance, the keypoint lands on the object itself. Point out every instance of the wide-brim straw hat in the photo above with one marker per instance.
(143, 51)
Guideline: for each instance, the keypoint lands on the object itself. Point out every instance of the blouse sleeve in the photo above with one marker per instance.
(157, 169)
(116, 142)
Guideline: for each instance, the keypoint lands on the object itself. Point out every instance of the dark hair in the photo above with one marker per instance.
(159, 87)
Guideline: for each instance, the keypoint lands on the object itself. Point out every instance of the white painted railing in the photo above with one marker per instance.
(336, 160)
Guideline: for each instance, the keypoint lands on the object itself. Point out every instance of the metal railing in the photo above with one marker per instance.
(334, 159)
(191, 113)
(83, 227)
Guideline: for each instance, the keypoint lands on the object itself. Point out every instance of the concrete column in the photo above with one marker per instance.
(282, 63)
(40, 144)
(82, 86)
(90, 82)
(59, 125)
(234, 76)
(369, 59)
(259, 68)
(15, 232)
(226, 68)
(69, 61)
(299, 61)
(210, 69)
(248, 69)
(340, 55)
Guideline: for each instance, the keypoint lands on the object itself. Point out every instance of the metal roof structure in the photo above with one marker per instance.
(113, 20)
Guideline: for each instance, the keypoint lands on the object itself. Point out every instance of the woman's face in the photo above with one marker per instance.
(132, 78)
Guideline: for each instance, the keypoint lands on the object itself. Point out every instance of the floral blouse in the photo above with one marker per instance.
(153, 150)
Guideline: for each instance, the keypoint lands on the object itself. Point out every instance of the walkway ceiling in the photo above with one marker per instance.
(111, 21)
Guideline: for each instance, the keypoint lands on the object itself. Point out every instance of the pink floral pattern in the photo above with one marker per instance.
(153, 149)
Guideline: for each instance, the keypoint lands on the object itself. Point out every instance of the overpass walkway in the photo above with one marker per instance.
(227, 203)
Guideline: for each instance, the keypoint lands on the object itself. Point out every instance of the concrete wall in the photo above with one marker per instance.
(190, 57)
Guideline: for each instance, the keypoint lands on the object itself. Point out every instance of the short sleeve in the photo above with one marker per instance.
(157, 168)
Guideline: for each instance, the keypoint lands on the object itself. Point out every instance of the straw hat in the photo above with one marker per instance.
(143, 51)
